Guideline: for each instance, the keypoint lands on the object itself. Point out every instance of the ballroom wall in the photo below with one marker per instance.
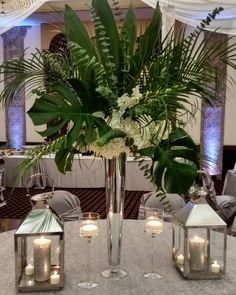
(33, 40)
(230, 108)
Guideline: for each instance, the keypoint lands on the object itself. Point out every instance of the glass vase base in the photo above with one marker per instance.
(152, 275)
(87, 285)
(116, 274)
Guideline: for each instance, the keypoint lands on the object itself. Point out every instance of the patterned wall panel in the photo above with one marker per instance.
(212, 123)
(13, 47)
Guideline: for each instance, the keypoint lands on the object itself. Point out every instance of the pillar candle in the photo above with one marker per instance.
(42, 259)
(197, 253)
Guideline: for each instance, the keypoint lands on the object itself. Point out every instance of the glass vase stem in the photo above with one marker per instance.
(115, 195)
(88, 261)
(152, 253)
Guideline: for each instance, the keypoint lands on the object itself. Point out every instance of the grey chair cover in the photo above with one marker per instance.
(66, 205)
(224, 205)
(152, 200)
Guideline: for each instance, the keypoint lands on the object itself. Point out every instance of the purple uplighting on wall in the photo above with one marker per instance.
(212, 138)
(16, 130)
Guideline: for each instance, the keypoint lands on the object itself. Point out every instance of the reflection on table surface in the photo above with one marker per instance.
(135, 259)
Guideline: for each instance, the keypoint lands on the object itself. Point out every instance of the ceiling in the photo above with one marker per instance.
(83, 5)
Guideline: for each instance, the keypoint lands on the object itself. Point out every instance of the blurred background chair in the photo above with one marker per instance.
(224, 205)
(168, 202)
(65, 204)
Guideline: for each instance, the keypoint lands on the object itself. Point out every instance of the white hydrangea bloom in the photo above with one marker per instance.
(111, 149)
(140, 133)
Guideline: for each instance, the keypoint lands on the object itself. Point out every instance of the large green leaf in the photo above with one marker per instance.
(149, 43)
(129, 31)
(76, 32)
(64, 106)
(105, 16)
(90, 99)
(175, 162)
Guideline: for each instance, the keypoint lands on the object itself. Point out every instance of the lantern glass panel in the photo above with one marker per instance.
(217, 247)
(178, 239)
(39, 250)
(38, 258)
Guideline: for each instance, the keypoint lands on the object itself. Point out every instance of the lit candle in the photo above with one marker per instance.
(29, 270)
(88, 230)
(55, 278)
(153, 225)
(42, 259)
(215, 267)
(58, 250)
(197, 253)
(180, 259)
(30, 282)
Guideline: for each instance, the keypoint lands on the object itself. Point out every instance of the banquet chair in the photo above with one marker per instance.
(224, 205)
(66, 205)
(169, 203)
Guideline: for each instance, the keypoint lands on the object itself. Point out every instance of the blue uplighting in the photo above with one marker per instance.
(16, 130)
(212, 138)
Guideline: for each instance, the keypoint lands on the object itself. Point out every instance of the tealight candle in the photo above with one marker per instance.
(30, 282)
(89, 230)
(58, 250)
(215, 267)
(55, 278)
(153, 225)
(180, 259)
(29, 270)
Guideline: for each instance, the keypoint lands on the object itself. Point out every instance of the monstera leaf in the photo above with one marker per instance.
(63, 106)
(175, 162)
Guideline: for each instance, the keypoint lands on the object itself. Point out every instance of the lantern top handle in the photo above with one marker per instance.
(42, 196)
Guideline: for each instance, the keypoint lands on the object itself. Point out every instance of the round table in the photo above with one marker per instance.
(135, 259)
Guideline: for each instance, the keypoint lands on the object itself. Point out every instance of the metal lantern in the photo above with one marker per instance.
(39, 249)
(199, 242)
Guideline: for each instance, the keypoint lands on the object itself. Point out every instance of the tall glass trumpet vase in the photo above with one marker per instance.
(88, 230)
(115, 195)
(153, 227)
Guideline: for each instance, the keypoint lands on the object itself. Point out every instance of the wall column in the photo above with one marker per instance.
(13, 47)
(212, 122)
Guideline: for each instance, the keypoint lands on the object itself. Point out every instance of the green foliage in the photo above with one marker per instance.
(81, 90)
(174, 160)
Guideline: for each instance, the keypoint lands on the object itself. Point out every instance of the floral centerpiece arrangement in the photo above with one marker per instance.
(121, 92)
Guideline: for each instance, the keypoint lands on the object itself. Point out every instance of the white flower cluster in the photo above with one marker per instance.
(112, 149)
(133, 129)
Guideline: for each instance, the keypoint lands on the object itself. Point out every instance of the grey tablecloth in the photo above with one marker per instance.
(135, 259)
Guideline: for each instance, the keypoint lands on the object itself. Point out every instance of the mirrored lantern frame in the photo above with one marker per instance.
(39, 252)
(199, 251)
